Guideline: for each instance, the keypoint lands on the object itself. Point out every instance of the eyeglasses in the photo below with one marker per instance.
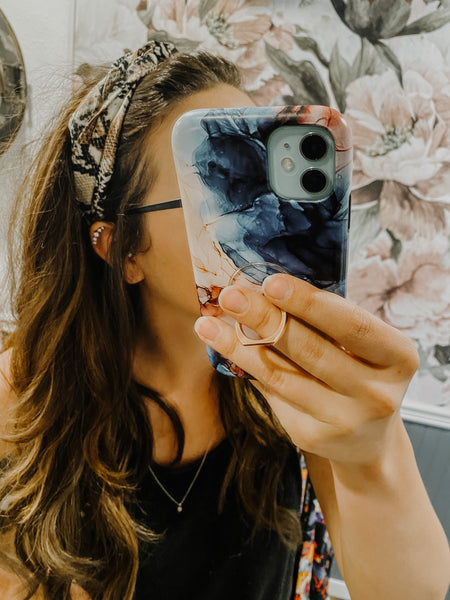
(154, 207)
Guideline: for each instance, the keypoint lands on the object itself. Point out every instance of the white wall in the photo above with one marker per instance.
(45, 34)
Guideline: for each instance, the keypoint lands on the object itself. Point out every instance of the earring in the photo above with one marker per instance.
(97, 234)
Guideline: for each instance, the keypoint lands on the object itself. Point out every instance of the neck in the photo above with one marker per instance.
(171, 360)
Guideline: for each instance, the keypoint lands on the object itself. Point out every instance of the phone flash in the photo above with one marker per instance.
(287, 164)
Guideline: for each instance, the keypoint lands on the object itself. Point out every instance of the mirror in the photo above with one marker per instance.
(13, 86)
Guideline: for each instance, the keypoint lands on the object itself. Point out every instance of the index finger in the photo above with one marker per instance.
(349, 325)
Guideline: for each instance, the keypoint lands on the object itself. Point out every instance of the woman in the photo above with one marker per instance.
(131, 469)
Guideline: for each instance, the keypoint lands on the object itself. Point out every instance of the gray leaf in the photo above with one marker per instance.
(310, 45)
(302, 77)
(367, 61)
(342, 73)
(442, 354)
(339, 7)
(440, 373)
(396, 248)
(340, 76)
(389, 17)
(428, 23)
(388, 56)
(377, 20)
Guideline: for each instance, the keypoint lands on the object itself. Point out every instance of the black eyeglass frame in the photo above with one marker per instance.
(154, 207)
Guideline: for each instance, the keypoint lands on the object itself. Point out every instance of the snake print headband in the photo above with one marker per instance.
(96, 125)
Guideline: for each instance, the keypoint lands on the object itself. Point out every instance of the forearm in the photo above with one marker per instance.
(389, 541)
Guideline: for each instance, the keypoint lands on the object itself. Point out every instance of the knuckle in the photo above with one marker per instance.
(273, 377)
(313, 351)
(411, 356)
(381, 402)
(385, 407)
(407, 359)
(361, 323)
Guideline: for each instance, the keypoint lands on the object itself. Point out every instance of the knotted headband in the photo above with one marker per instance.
(96, 125)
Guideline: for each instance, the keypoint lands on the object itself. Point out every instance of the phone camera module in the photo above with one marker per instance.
(313, 181)
(301, 162)
(313, 146)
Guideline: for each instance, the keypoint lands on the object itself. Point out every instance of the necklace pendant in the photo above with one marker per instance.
(180, 504)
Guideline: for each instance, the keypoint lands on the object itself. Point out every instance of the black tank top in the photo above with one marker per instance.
(209, 556)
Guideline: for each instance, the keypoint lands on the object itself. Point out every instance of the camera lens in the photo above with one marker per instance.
(313, 146)
(313, 181)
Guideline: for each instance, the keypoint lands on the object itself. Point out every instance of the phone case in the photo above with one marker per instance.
(237, 227)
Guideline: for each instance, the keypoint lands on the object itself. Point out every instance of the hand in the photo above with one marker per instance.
(337, 376)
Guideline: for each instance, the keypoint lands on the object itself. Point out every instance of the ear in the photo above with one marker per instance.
(100, 233)
(101, 236)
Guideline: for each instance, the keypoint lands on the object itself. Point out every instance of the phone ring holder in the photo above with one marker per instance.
(267, 341)
(253, 274)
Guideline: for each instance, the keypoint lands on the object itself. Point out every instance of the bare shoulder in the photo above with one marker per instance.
(7, 400)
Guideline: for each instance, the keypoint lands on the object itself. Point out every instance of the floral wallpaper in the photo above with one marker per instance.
(385, 64)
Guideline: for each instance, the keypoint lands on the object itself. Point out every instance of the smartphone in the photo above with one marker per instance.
(263, 190)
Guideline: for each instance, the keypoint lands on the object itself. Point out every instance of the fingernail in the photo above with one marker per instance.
(233, 300)
(206, 328)
(277, 287)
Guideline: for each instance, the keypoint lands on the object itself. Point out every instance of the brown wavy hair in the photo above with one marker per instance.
(80, 425)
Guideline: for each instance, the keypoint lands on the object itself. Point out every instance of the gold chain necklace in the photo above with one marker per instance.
(169, 495)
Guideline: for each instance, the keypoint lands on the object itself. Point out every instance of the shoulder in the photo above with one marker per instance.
(8, 400)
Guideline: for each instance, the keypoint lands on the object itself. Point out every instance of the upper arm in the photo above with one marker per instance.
(322, 479)
(7, 399)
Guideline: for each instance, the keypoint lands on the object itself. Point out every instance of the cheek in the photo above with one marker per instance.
(170, 273)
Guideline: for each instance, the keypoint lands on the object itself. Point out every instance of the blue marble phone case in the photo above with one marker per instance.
(237, 227)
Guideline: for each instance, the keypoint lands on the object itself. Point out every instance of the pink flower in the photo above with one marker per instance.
(226, 26)
(257, 73)
(397, 132)
(269, 90)
(176, 18)
(411, 293)
(281, 36)
(401, 138)
(236, 29)
(237, 22)
(253, 66)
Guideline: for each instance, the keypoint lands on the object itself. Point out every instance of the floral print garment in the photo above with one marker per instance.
(317, 554)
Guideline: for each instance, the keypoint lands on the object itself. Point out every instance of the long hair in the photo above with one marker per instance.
(80, 427)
